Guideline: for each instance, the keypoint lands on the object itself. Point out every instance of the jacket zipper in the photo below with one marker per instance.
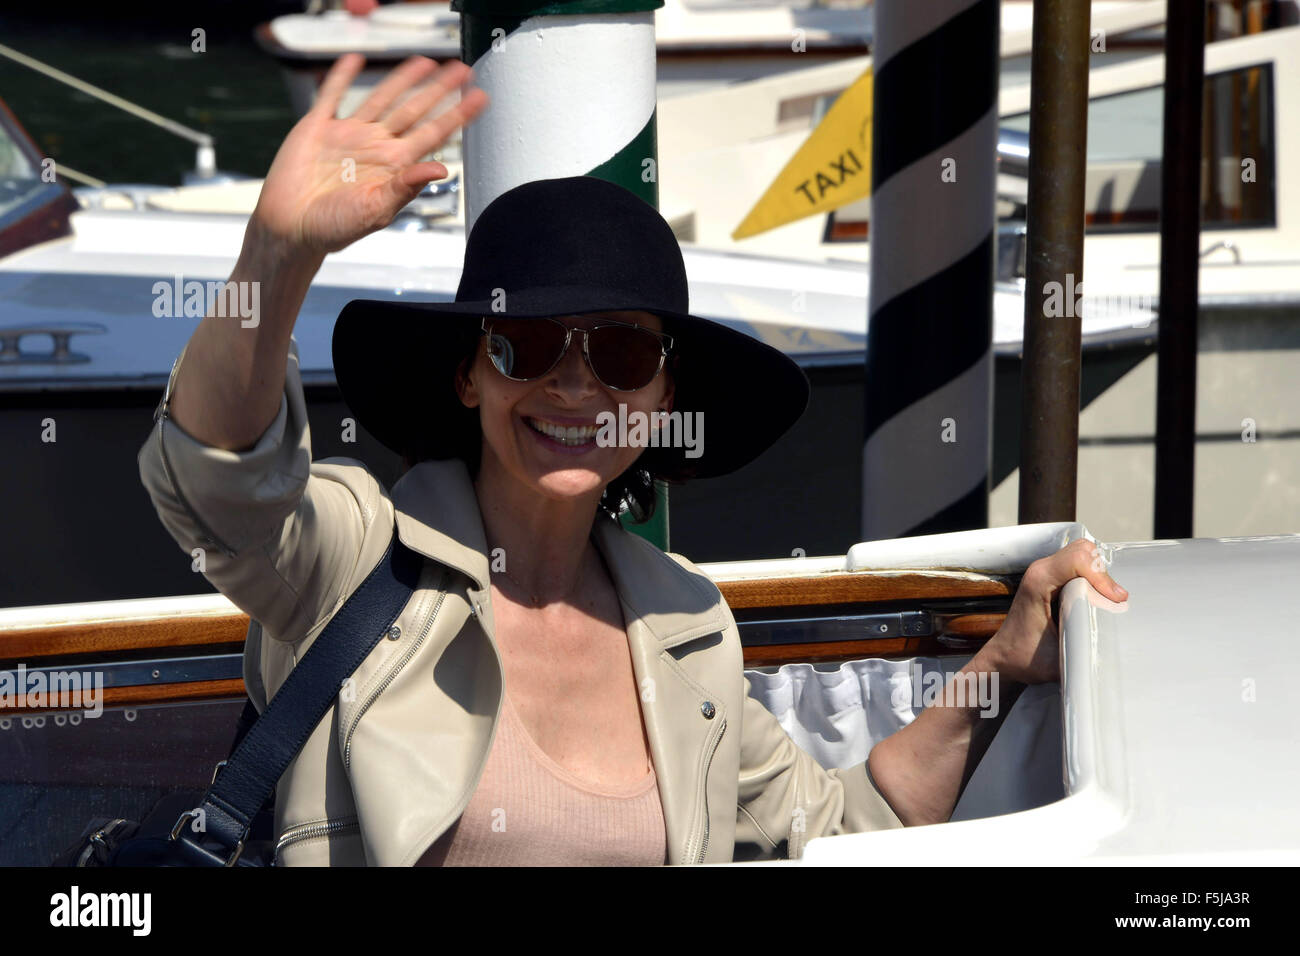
(704, 786)
(393, 672)
(99, 839)
(794, 845)
(316, 828)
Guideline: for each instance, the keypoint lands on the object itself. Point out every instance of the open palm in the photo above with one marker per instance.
(336, 180)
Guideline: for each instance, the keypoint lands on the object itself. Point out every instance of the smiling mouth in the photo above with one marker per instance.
(571, 435)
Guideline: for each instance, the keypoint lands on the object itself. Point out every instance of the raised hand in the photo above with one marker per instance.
(336, 180)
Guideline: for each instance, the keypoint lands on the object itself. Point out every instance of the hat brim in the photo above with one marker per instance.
(395, 365)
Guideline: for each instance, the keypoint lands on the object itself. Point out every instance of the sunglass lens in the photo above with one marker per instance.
(624, 357)
(524, 348)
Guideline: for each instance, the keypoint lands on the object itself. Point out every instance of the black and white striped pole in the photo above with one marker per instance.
(572, 91)
(929, 363)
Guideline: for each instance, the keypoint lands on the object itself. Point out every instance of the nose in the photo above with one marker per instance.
(572, 376)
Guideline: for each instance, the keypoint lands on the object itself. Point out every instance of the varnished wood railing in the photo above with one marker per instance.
(862, 587)
(107, 640)
(104, 638)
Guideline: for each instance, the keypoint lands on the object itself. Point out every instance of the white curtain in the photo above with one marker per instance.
(838, 715)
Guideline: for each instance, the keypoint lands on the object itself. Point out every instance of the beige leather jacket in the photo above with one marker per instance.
(395, 761)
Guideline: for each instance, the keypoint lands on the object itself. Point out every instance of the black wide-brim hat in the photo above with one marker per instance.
(559, 247)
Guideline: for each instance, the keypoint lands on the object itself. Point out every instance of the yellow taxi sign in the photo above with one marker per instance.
(831, 169)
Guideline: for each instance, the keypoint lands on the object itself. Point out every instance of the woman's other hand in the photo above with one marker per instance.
(1025, 649)
(334, 181)
(922, 769)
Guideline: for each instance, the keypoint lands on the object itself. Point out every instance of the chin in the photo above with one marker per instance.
(571, 483)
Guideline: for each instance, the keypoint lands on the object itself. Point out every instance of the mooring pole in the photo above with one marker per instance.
(928, 389)
(1058, 127)
(1180, 235)
(572, 90)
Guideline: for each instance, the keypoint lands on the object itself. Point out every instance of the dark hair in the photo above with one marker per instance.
(462, 438)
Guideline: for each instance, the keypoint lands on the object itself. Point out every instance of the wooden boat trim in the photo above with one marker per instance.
(101, 632)
(203, 620)
(859, 587)
(109, 627)
(141, 695)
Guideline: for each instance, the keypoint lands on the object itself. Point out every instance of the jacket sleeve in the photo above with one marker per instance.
(786, 796)
(284, 539)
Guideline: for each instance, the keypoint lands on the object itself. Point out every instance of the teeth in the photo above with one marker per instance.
(566, 435)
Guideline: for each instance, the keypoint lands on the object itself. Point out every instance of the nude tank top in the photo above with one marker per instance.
(530, 811)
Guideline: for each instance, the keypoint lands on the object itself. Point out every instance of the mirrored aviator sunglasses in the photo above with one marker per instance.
(622, 357)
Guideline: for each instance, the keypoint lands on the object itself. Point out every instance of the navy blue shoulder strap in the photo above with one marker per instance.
(243, 785)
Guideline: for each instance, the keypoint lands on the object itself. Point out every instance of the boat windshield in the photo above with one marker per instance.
(20, 180)
(1125, 140)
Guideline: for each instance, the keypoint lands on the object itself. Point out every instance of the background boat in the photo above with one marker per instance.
(700, 43)
(1159, 746)
(85, 350)
(1249, 281)
(101, 274)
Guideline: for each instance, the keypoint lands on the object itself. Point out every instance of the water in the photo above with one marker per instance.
(232, 91)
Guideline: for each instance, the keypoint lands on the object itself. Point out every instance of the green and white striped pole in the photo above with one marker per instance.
(572, 90)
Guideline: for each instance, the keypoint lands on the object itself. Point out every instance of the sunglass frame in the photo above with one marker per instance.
(665, 346)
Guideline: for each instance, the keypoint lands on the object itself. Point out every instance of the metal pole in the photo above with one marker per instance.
(1058, 128)
(572, 84)
(1180, 234)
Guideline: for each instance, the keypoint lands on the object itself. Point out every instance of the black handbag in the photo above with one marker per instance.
(231, 823)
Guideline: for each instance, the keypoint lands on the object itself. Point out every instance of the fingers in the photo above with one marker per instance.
(407, 184)
(427, 137)
(1087, 561)
(345, 69)
(414, 177)
(403, 77)
(403, 117)
(1079, 559)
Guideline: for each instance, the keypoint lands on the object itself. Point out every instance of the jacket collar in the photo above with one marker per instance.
(674, 604)
(438, 516)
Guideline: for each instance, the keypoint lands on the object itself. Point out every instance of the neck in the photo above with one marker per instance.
(541, 544)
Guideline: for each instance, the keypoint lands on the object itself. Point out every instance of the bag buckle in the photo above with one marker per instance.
(193, 814)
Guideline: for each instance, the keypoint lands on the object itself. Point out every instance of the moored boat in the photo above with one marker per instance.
(1159, 746)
